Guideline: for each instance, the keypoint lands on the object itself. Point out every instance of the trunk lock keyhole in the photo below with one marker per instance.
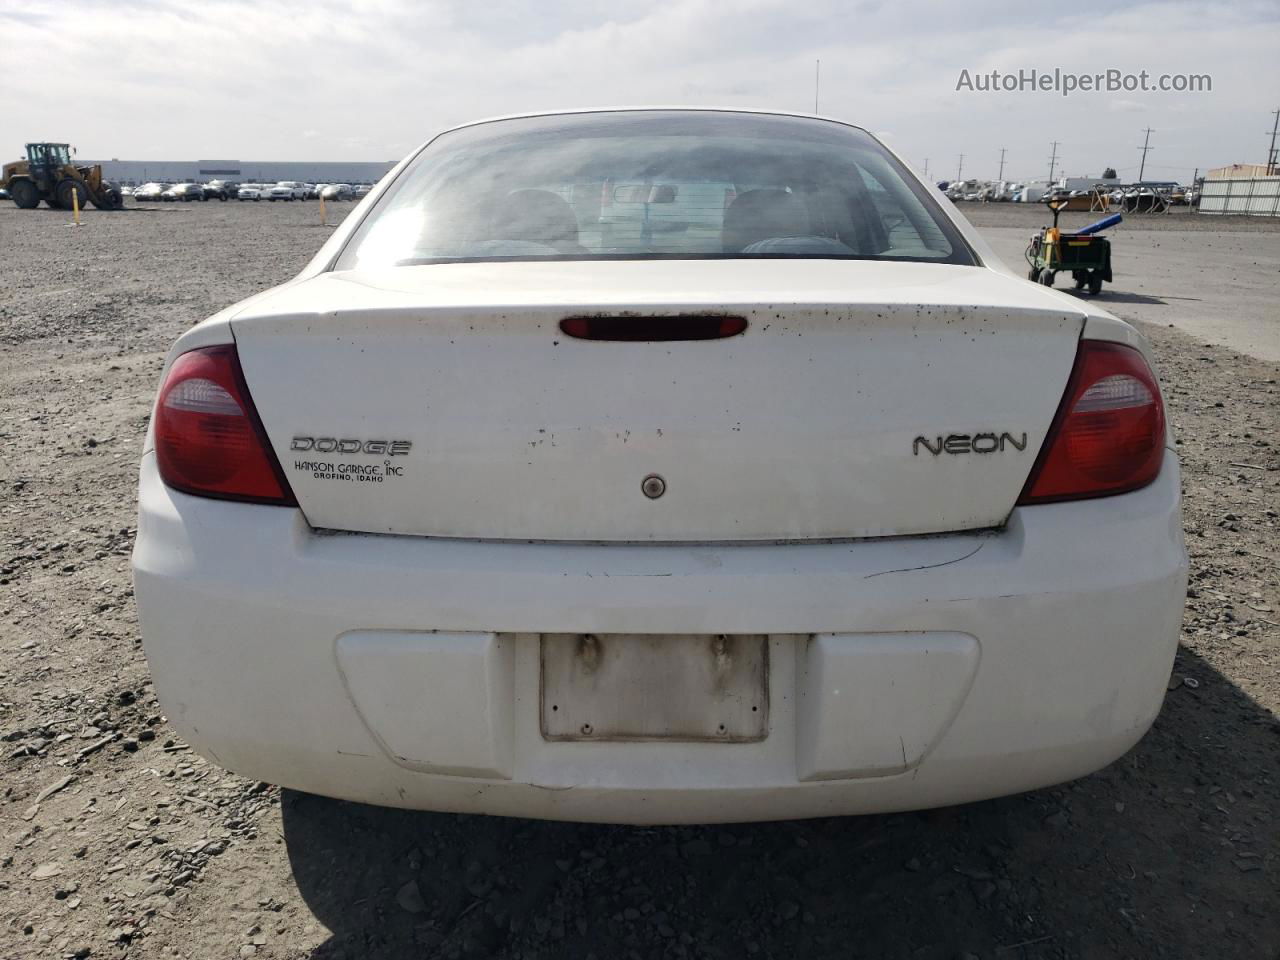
(653, 486)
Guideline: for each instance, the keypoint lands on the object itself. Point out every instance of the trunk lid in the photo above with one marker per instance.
(864, 399)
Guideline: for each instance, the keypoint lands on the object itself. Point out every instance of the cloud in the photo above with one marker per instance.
(321, 79)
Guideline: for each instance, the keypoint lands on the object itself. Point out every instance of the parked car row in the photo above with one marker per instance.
(1146, 195)
(289, 190)
(284, 190)
(183, 192)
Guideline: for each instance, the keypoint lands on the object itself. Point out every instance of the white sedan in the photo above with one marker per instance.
(781, 497)
(286, 190)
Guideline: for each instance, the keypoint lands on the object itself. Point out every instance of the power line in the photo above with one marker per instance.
(1157, 166)
(1001, 174)
(1053, 159)
(1144, 148)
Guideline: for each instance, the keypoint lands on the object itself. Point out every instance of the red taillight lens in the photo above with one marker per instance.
(1108, 436)
(209, 440)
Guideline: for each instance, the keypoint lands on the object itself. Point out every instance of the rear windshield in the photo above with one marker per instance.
(650, 185)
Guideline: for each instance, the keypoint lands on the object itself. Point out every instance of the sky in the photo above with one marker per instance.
(372, 79)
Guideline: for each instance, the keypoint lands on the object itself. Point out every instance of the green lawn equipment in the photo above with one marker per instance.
(1085, 254)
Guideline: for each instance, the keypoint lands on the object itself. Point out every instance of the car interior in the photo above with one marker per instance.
(682, 197)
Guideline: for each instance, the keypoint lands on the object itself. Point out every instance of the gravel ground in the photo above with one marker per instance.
(1213, 277)
(119, 841)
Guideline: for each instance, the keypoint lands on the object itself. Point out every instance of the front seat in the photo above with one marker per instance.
(538, 216)
(763, 215)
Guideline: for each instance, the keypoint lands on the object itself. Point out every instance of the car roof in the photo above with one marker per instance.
(745, 111)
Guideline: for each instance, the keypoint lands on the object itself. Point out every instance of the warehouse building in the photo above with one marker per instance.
(134, 172)
(1238, 171)
(1248, 189)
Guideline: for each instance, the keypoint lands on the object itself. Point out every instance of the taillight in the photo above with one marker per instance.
(209, 440)
(1108, 436)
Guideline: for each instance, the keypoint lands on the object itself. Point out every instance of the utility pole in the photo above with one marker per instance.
(1271, 151)
(817, 78)
(960, 168)
(1000, 176)
(1145, 148)
(926, 168)
(1053, 160)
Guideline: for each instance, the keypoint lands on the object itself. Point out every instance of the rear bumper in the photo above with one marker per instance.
(902, 673)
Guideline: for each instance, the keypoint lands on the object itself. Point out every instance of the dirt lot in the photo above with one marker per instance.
(1179, 268)
(119, 841)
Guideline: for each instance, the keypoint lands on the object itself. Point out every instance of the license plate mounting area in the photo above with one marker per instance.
(688, 687)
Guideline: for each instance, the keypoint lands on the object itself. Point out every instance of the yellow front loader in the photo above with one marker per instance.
(48, 174)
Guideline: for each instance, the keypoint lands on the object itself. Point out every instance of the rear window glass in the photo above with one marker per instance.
(654, 185)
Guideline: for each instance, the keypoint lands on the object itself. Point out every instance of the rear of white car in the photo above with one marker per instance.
(553, 526)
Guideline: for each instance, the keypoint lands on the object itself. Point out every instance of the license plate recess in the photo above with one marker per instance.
(705, 687)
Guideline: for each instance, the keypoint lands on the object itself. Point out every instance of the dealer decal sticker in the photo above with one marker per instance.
(348, 471)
